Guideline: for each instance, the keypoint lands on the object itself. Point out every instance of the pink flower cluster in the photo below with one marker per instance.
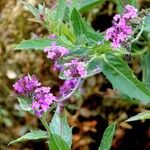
(43, 99)
(41, 96)
(121, 29)
(75, 69)
(55, 52)
(26, 84)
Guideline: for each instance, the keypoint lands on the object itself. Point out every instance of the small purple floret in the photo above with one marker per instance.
(55, 52)
(52, 36)
(75, 69)
(121, 30)
(26, 84)
(67, 87)
(43, 99)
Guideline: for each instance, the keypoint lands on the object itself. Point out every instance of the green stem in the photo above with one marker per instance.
(45, 124)
(139, 34)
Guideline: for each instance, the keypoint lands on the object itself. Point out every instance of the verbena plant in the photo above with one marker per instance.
(78, 52)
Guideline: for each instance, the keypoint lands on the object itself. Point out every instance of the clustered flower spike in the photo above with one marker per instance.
(67, 87)
(55, 52)
(75, 69)
(41, 96)
(43, 99)
(121, 29)
(26, 84)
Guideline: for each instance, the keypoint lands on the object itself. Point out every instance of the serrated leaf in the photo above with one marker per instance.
(25, 104)
(140, 116)
(107, 137)
(85, 5)
(37, 44)
(60, 127)
(33, 135)
(76, 20)
(123, 79)
(57, 143)
(81, 27)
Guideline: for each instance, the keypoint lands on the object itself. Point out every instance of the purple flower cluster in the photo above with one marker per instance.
(43, 99)
(75, 69)
(26, 84)
(55, 52)
(121, 29)
(67, 87)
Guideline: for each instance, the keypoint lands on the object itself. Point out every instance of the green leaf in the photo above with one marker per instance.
(31, 8)
(107, 137)
(60, 127)
(133, 2)
(147, 23)
(123, 79)
(81, 27)
(60, 10)
(34, 44)
(140, 116)
(33, 135)
(76, 20)
(85, 5)
(25, 104)
(57, 143)
(146, 68)
(93, 67)
(120, 6)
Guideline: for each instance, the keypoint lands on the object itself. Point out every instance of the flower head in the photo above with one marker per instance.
(55, 52)
(43, 99)
(75, 69)
(130, 12)
(121, 29)
(26, 84)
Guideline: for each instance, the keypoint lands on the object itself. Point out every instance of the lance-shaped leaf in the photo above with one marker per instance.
(77, 23)
(59, 126)
(33, 135)
(56, 142)
(37, 44)
(140, 116)
(107, 137)
(122, 78)
(81, 27)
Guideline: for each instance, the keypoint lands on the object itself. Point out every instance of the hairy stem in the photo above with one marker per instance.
(45, 124)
